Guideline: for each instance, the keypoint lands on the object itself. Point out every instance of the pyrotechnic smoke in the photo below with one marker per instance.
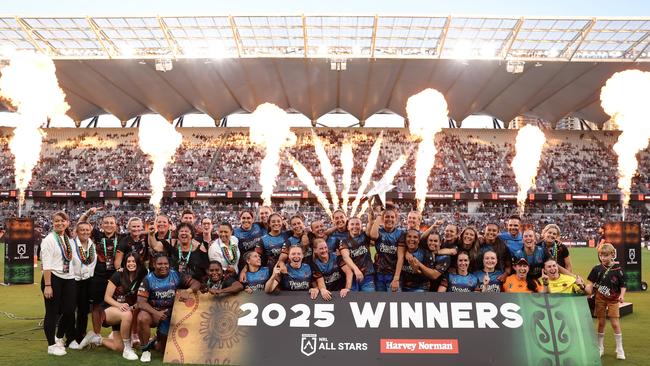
(367, 172)
(159, 140)
(270, 129)
(624, 98)
(427, 114)
(528, 146)
(307, 179)
(347, 162)
(29, 83)
(326, 168)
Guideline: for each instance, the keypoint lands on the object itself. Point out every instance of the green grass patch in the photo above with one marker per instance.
(23, 341)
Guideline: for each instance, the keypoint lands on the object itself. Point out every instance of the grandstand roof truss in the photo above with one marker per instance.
(286, 59)
(379, 36)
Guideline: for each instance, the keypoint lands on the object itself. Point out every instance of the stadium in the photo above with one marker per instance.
(542, 72)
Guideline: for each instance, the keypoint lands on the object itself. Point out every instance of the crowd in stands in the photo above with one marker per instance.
(218, 159)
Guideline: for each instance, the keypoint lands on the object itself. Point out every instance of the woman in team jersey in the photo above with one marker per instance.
(248, 234)
(328, 272)
(415, 268)
(462, 280)
(295, 276)
(119, 308)
(355, 252)
(272, 244)
(490, 275)
(256, 274)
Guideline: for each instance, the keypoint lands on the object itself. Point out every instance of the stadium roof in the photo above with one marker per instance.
(227, 64)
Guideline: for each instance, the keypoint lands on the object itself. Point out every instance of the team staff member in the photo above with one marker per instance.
(119, 308)
(355, 251)
(58, 284)
(512, 237)
(556, 249)
(205, 235)
(256, 276)
(135, 241)
(520, 281)
(225, 249)
(386, 234)
(106, 240)
(187, 255)
(328, 273)
(83, 264)
(559, 283)
(462, 280)
(535, 255)
(219, 285)
(156, 299)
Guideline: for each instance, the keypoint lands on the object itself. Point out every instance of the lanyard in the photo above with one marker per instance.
(229, 255)
(180, 254)
(67, 253)
(86, 257)
(114, 246)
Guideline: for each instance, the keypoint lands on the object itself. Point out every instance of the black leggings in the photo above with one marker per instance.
(61, 304)
(83, 309)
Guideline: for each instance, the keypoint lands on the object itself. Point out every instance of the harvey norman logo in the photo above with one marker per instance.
(446, 346)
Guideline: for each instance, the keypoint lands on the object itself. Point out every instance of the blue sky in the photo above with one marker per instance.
(410, 7)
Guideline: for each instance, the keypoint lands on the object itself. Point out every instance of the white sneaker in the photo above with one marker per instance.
(146, 356)
(129, 354)
(87, 339)
(59, 342)
(620, 354)
(74, 345)
(55, 350)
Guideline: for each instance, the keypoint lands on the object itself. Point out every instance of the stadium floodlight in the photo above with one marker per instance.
(323, 50)
(127, 51)
(552, 53)
(164, 64)
(462, 50)
(515, 67)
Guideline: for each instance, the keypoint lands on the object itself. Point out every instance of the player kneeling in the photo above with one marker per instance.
(118, 308)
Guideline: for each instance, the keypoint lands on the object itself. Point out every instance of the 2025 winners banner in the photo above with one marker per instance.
(383, 329)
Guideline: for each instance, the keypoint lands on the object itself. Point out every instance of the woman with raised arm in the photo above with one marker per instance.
(295, 276)
(256, 276)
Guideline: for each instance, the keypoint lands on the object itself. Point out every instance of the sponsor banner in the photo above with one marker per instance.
(575, 243)
(136, 194)
(19, 251)
(626, 238)
(298, 194)
(383, 329)
(586, 197)
(8, 193)
(65, 194)
(211, 194)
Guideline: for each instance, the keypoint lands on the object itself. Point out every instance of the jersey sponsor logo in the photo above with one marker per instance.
(387, 249)
(358, 251)
(333, 277)
(460, 289)
(298, 285)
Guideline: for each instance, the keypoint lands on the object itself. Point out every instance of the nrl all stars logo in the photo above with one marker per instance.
(311, 343)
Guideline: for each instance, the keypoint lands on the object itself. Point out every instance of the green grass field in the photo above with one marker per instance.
(23, 341)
